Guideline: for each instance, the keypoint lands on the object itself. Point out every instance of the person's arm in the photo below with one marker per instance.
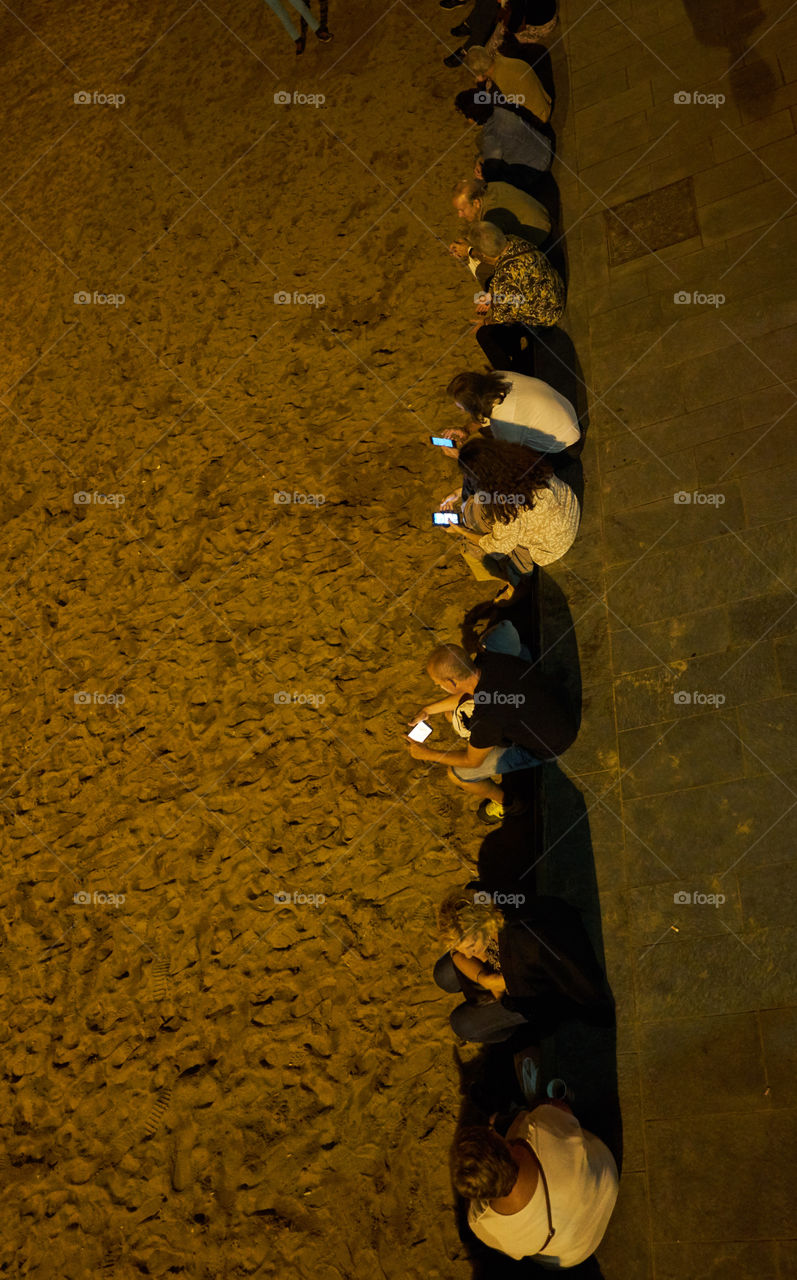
(465, 757)
(467, 534)
(501, 538)
(436, 708)
(480, 973)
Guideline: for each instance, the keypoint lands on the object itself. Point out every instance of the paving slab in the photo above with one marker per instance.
(723, 1164)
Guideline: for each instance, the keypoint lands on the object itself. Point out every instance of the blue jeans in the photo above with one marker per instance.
(301, 8)
(487, 1023)
(504, 638)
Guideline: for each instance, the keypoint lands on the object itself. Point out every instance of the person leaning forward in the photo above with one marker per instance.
(546, 1191)
(517, 82)
(526, 292)
(506, 711)
(511, 210)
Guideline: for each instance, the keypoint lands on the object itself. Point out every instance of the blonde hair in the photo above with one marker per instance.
(482, 1167)
(464, 914)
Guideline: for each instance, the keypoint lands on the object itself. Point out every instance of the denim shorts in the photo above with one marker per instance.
(498, 760)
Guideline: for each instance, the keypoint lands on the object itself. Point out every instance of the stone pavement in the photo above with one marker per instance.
(680, 591)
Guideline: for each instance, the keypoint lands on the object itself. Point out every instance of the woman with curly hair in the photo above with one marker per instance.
(515, 408)
(516, 512)
(536, 968)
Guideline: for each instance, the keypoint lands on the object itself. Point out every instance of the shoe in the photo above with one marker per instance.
(491, 812)
(452, 4)
(323, 35)
(462, 30)
(455, 59)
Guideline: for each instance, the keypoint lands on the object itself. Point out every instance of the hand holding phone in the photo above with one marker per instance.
(442, 442)
(445, 517)
(420, 732)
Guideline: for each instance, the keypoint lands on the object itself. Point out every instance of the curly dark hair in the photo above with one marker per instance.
(478, 393)
(506, 477)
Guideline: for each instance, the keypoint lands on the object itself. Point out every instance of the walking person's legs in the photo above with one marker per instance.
(276, 7)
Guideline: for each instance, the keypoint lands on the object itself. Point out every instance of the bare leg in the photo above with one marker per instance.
(485, 788)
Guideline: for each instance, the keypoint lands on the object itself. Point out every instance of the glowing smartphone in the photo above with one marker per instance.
(441, 440)
(420, 732)
(445, 517)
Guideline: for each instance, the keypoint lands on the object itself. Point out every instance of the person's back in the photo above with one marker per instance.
(535, 535)
(521, 85)
(508, 138)
(534, 414)
(513, 705)
(523, 272)
(575, 1195)
(516, 212)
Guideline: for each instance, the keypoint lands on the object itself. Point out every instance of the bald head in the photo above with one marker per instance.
(451, 668)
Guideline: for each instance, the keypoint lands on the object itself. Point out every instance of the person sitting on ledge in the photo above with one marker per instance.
(526, 292)
(546, 1191)
(511, 151)
(533, 968)
(511, 210)
(513, 408)
(506, 711)
(518, 84)
(516, 513)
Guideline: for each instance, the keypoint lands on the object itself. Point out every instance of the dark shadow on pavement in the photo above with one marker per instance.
(546, 851)
(732, 23)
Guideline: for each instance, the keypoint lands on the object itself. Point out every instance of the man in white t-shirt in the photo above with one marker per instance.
(517, 408)
(546, 1191)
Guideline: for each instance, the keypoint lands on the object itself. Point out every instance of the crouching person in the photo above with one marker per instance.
(546, 1191)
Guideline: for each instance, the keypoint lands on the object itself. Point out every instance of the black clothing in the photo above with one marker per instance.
(513, 706)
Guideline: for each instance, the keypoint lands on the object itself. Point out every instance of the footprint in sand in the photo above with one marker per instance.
(182, 1148)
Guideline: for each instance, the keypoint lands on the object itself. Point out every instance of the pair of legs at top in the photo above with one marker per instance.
(306, 20)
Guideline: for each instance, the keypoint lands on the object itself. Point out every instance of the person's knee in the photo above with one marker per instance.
(457, 781)
(445, 974)
(464, 1022)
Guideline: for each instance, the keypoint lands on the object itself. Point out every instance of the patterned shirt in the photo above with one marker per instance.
(546, 531)
(525, 288)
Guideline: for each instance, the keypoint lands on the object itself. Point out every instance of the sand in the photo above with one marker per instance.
(200, 1080)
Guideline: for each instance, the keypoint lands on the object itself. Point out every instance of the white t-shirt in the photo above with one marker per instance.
(582, 1183)
(532, 413)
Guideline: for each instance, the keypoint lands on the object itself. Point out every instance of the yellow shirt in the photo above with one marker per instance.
(517, 80)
